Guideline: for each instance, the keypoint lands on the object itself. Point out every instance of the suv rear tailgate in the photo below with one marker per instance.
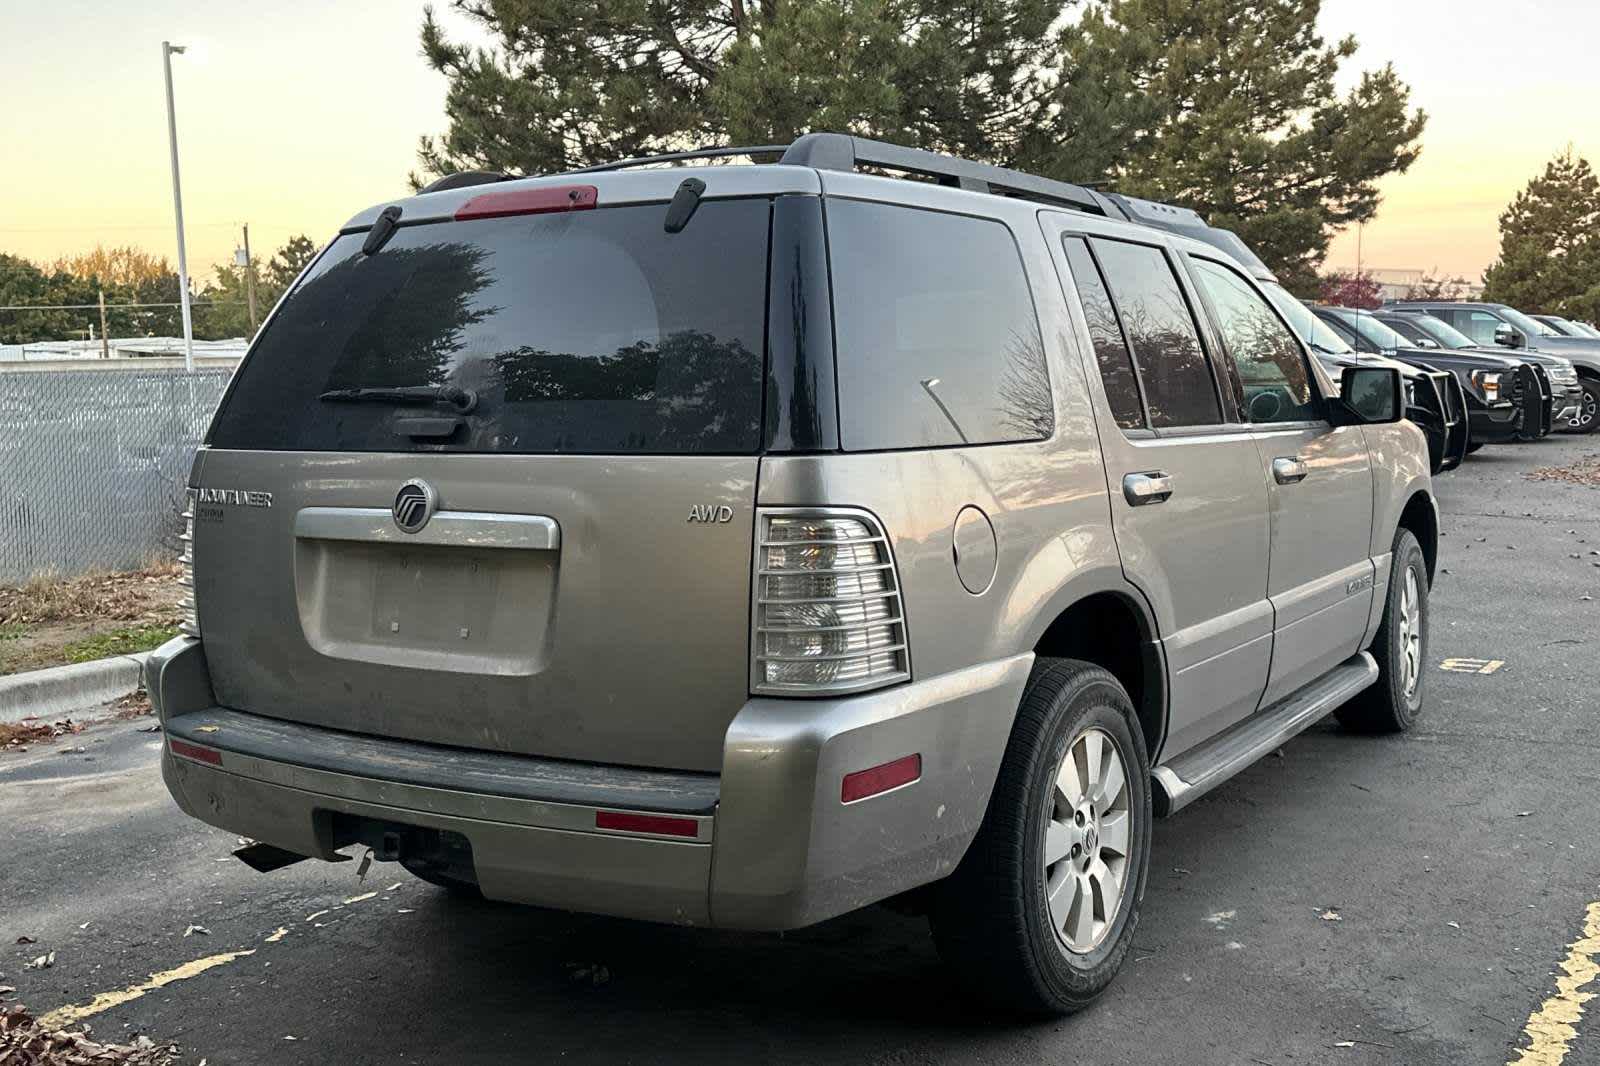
(578, 399)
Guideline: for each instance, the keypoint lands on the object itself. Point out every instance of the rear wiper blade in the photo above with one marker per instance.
(461, 399)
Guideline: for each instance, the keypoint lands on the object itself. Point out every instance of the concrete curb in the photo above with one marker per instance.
(63, 691)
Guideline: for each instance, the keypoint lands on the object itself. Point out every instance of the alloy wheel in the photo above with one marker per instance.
(1410, 635)
(1087, 842)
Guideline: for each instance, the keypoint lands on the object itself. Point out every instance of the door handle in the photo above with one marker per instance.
(1286, 470)
(1152, 486)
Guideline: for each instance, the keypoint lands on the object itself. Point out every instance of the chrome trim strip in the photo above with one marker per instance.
(456, 529)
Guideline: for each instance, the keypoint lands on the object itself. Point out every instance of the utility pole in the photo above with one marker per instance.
(105, 345)
(167, 48)
(250, 279)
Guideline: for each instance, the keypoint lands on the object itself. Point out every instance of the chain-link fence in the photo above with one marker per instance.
(93, 465)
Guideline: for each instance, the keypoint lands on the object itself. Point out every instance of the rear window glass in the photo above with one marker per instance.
(582, 332)
(938, 343)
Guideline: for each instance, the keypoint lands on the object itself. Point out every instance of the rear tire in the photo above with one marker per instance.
(1041, 912)
(1391, 704)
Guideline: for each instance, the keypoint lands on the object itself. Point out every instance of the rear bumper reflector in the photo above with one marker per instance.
(879, 779)
(660, 824)
(194, 751)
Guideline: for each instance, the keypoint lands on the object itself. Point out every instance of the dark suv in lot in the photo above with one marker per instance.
(1498, 325)
(1506, 398)
(740, 546)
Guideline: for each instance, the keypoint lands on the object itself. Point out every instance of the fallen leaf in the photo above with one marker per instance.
(1453, 925)
(26, 940)
(404, 910)
(318, 914)
(281, 932)
(1331, 915)
(1345, 1043)
(363, 896)
(43, 962)
(1524, 814)
(6, 988)
(202, 930)
(394, 887)
(206, 728)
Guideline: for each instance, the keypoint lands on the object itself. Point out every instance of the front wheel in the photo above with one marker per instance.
(1390, 704)
(1588, 408)
(1041, 912)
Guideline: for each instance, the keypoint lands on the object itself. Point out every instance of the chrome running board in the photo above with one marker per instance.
(1199, 770)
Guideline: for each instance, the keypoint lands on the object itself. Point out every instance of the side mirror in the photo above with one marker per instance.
(1425, 342)
(1506, 337)
(1368, 395)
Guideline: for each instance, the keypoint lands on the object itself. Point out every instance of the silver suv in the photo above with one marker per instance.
(738, 546)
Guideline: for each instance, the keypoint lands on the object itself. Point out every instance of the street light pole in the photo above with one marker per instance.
(167, 48)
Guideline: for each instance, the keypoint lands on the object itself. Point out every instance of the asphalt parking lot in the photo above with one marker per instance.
(1353, 900)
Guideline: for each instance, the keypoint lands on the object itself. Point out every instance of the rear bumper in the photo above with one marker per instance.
(772, 845)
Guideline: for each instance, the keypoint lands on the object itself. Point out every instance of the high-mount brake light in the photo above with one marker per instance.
(828, 614)
(539, 200)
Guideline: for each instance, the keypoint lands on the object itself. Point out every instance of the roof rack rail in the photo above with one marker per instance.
(463, 179)
(840, 151)
(710, 152)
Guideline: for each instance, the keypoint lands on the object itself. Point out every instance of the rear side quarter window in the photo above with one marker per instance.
(938, 343)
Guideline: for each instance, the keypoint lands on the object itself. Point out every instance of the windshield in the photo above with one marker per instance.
(1437, 328)
(1527, 325)
(1374, 331)
(1311, 329)
(583, 332)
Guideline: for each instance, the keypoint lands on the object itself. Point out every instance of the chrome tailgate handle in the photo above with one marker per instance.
(1150, 486)
(1288, 469)
(456, 529)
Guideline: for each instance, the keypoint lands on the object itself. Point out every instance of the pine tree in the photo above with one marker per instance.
(1550, 244)
(1227, 106)
(1230, 107)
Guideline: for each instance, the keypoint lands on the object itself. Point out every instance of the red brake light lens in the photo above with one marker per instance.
(879, 779)
(646, 823)
(195, 751)
(536, 201)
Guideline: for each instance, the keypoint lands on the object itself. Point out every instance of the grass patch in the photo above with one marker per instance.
(12, 630)
(125, 640)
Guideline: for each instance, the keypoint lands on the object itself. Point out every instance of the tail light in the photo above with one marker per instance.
(828, 616)
(191, 617)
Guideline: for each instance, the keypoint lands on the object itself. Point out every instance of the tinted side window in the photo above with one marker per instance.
(1178, 385)
(938, 343)
(1479, 325)
(1346, 334)
(1277, 385)
(1110, 348)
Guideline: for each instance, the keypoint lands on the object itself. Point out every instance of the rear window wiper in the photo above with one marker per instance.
(461, 399)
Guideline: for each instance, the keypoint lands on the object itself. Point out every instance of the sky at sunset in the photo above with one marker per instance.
(292, 115)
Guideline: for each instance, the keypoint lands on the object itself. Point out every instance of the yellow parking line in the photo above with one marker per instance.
(1552, 1028)
(64, 1016)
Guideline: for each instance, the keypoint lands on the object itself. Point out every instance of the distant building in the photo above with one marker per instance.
(1396, 284)
(129, 348)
